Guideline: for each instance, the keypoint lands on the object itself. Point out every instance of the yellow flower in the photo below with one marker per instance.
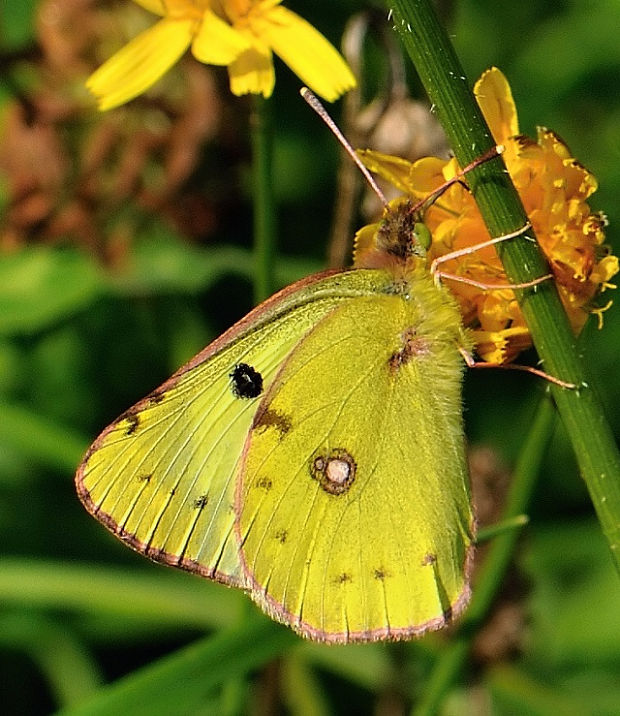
(554, 189)
(240, 34)
(267, 26)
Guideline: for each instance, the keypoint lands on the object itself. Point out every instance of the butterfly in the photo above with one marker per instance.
(313, 455)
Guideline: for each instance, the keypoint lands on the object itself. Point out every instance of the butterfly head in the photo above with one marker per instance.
(400, 238)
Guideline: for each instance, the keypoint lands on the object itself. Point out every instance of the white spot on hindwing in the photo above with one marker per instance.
(335, 471)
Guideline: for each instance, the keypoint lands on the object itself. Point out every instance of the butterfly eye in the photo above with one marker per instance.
(247, 382)
(423, 235)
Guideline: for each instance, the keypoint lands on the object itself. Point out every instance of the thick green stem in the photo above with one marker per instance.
(264, 202)
(442, 75)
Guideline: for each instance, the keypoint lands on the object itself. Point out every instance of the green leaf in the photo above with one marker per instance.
(71, 673)
(17, 23)
(39, 438)
(180, 683)
(41, 285)
(163, 597)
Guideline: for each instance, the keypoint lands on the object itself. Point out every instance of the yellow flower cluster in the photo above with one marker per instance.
(554, 189)
(239, 34)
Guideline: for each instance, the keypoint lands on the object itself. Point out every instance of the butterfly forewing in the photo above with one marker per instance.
(353, 505)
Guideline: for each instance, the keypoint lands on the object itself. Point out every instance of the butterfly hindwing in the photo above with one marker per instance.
(353, 509)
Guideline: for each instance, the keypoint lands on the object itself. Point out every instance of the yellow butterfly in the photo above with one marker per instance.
(313, 455)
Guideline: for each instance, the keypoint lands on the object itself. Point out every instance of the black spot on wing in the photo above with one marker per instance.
(343, 578)
(281, 536)
(133, 423)
(156, 397)
(201, 502)
(247, 382)
(264, 483)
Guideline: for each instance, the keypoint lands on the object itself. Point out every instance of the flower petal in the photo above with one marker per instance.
(365, 245)
(216, 42)
(392, 169)
(605, 270)
(495, 99)
(428, 173)
(554, 188)
(500, 347)
(138, 65)
(158, 7)
(311, 57)
(252, 72)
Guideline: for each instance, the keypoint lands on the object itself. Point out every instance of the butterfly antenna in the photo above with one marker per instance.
(316, 105)
(495, 151)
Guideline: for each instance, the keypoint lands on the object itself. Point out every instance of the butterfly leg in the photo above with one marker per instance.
(472, 363)
(438, 274)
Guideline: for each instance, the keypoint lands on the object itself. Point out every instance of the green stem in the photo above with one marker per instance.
(264, 202)
(488, 533)
(496, 564)
(442, 75)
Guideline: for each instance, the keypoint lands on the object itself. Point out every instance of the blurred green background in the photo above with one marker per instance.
(125, 247)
